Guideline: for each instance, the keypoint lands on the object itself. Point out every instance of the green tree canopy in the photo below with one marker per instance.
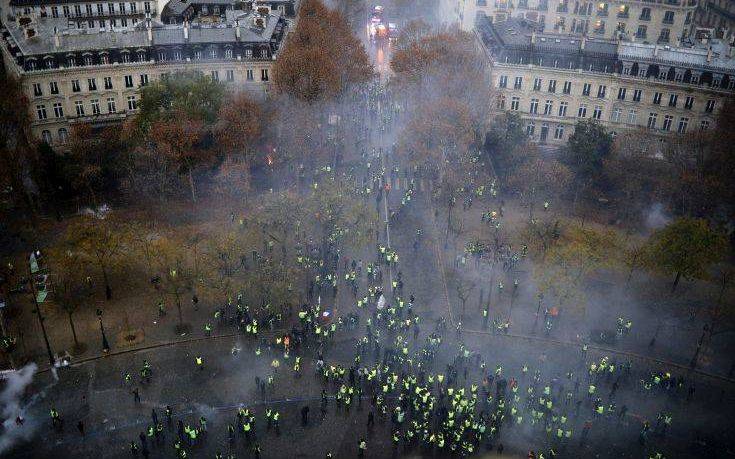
(685, 247)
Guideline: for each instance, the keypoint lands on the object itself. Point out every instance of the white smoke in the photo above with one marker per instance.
(656, 217)
(12, 407)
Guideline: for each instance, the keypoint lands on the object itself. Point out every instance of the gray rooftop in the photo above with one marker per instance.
(80, 40)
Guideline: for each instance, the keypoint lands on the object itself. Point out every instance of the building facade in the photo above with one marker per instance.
(553, 81)
(716, 14)
(644, 21)
(85, 14)
(75, 75)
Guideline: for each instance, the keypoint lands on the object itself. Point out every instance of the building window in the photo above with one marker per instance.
(125, 57)
(54, 87)
(664, 37)
(637, 94)
(70, 62)
(133, 7)
(534, 107)
(248, 53)
(63, 135)
(228, 53)
(215, 75)
(230, 75)
(689, 102)
(673, 98)
(641, 32)
(104, 59)
(601, 89)
(503, 82)
(213, 53)
(537, 84)
(88, 60)
(632, 117)
(46, 136)
(100, 9)
(31, 65)
(58, 110)
(615, 118)
(582, 112)
(597, 113)
(552, 85)
(668, 17)
(645, 14)
(54, 13)
(124, 22)
(621, 93)
(264, 74)
(264, 53)
(704, 125)
(147, 7)
(41, 112)
(500, 105)
(132, 103)
(111, 105)
(92, 84)
(143, 79)
(668, 119)
(249, 74)
(197, 54)
(710, 107)
(548, 107)
(108, 82)
(177, 55)
(563, 108)
(141, 56)
(95, 106)
(530, 128)
(75, 86)
(79, 106)
(586, 89)
(111, 8)
(652, 117)
(683, 124)
(515, 102)
(657, 98)
(37, 91)
(567, 87)
(162, 56)
(128, 81)
(77, 10)
(559, 132)
(518, 84)
(89, 9)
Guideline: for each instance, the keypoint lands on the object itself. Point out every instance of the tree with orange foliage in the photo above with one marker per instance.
(321, 57)
(178, 139)
(239, 125)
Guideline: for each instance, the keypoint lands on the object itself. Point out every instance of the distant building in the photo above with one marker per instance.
(89, 14)
(89, 75)
(642, 21)
(716, 14)
(552, 81)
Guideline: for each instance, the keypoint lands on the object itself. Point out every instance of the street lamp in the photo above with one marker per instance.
(105, 343)
(38, 298)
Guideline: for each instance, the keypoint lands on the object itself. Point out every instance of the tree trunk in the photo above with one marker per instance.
(676, 281)
(191, 185)
(178, 307)
(108, 289)
(73, 330)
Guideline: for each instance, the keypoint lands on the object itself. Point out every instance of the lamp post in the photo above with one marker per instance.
(33, 269)
(105, 343)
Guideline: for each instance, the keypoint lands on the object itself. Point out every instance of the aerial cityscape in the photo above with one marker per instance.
(360, 229)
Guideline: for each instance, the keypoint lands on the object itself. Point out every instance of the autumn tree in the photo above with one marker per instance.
(70, 289)
(176, 276)
(17, 159)
(585, 152)
(178, 140)
(99, 240)
(321, 57)
(239, 125)
(685, 248)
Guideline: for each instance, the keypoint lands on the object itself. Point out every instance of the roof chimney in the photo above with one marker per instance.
(583, 43)
(57, 39)
(237, 30)
(149, 28)
(709, 54)
(533, 37)
(655, 50)
(186, 30)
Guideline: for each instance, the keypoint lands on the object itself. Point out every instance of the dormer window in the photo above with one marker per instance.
(213, 53)
(88, 60)
(71, 61)
(104, 59)
(31, 65)
(125, 57)
(197, 54)
(248, 53)
(141, 56)
(228, 53)
(264, 53)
